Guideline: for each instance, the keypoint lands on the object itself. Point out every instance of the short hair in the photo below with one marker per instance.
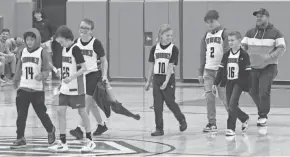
(236, 34)
(211, 15)
(64, 32)
(29, 34)
(89, 22)
(5, 30)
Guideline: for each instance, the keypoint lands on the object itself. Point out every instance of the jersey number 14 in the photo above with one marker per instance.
(29, 73)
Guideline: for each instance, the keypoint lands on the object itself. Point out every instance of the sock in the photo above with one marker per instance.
(12, 75)
(63, 138)
(2, 76)
(88, 135)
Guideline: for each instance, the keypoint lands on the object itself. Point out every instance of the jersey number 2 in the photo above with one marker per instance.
(161, 68)
(65, 72)
(212, 52)
(231, 72)
(29, 73)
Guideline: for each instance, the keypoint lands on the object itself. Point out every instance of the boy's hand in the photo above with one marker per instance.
(147, 86)
(67, 80)
(200, 79)
(164, 85)
(213, 89)
(38, 78)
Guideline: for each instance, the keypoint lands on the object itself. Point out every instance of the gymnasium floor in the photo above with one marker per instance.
(127, 137)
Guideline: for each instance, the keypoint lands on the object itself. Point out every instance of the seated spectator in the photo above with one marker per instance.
(10, 59)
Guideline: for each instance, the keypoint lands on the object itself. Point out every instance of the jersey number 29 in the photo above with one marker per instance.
(29, 73)
(161, 67)
(65, 72)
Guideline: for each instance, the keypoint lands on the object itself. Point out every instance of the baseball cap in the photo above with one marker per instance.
(261, 11)
(211, 15)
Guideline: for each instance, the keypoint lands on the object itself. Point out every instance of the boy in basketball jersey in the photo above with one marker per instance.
(72, 90)
(234, 73)
(32, 70)
(213, 46)
(162, 58)
(91, 49)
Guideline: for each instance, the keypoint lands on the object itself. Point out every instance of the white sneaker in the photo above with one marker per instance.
(230, 132)
(262, 122)
(89, 146)
(58, 146)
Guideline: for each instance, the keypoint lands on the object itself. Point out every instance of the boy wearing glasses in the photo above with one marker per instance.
(92, 49)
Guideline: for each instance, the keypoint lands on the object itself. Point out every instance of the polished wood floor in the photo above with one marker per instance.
(127, 136)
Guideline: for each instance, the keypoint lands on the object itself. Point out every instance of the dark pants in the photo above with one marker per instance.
(261, 88)
(23, 101)
(233, 92)
(167, 95)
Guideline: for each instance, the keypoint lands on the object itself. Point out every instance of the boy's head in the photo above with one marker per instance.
(29, 38)
(86, 28)
(5, 34)
(211, 19)
(38, 14)
(234, 39)
(64, 36)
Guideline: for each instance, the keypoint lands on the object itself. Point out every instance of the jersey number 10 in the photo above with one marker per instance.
(161, 67)
(29, 73)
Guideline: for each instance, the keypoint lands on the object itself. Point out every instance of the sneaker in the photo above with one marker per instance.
(89, 146)
(58, 146)
(262, 121)
(230, 132)
(100, 130)
(210, 128)
(245, 125)
(77, 133)
(19, 143)
(51, 136)
(158, 133)
(183, 125)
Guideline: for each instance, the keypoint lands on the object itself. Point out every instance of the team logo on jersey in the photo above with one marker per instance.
(30, 59)
(38, 147)
(213, 40)
(88, 52)
(66, 59)
(162, 55)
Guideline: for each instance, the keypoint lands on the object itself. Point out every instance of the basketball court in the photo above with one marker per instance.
(128, 137)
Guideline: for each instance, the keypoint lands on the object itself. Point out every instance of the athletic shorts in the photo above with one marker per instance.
(73, 101)
(92, 79)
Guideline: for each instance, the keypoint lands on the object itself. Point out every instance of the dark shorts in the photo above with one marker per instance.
(74, 101)
(92, 79)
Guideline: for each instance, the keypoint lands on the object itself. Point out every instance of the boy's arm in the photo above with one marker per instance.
(202, 56)
(77, 53)
(151, 61)
(99, 49)
(45, 66)
(18, 71)
(221, 69)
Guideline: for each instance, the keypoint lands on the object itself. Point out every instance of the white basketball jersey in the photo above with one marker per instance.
(233, 66)
(89, 54)
(69, 67)
(162, 58)
(31, 67)
(214, 50)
